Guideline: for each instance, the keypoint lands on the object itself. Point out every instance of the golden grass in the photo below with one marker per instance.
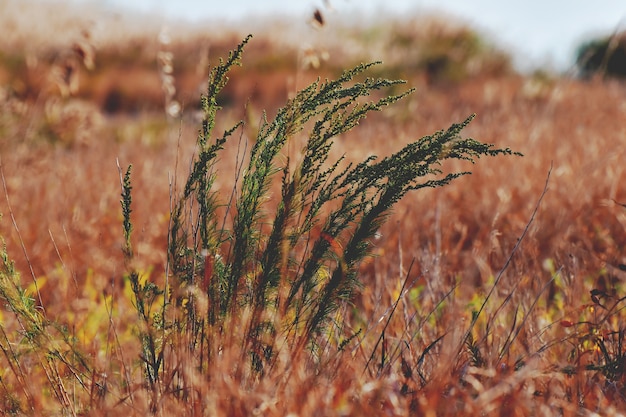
(64, 194)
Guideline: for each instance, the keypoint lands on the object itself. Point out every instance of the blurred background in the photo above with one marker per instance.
(542, 33)
(119, 57)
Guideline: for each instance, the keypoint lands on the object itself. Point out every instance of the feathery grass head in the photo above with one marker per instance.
(286, 283)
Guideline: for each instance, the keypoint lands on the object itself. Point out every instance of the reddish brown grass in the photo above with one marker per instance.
(65, 195)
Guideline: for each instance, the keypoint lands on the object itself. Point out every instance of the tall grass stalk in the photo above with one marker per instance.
(283, 283)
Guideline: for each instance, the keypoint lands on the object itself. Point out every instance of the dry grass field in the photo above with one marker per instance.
(499, 294)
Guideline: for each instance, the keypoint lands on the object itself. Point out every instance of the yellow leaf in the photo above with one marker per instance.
(36, 286)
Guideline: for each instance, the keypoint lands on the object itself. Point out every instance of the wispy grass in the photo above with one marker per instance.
(309, 322)
(272, 283)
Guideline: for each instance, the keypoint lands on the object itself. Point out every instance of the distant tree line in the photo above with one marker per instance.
(603, 56)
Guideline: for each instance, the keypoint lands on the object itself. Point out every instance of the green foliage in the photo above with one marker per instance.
(40, 342)
(145, 295)
(603, 56)
(289, 280)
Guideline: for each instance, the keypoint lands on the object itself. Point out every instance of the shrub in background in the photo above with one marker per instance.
(604, 56)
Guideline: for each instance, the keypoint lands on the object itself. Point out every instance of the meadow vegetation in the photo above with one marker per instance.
(160, 257)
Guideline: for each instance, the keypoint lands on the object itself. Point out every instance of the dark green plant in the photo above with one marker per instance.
(290, 279)
(603, 56)
(145, 294)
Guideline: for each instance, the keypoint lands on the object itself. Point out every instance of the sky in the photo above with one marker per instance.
(540, 32)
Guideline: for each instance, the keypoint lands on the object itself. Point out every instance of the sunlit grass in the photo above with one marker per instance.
(549, 341)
